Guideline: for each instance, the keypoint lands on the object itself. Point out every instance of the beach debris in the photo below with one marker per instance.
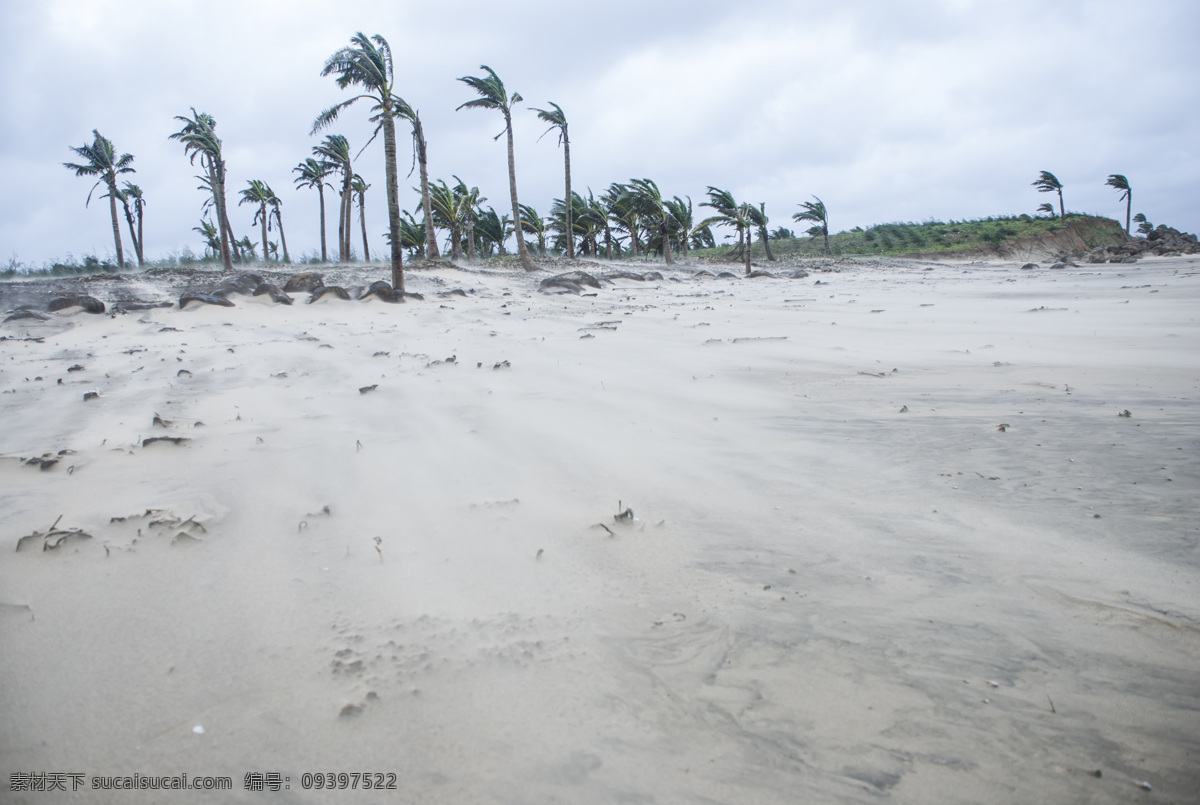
(91, 395)
(381, 354)
(127, 305)
(75, 368)
(277, 296)
(606, 528)
(90, 304)
(379, 547)
(329, 291)
(183, 372)
(502, 365)
(570, 282)
(25, 313)
(1052, 710)
(46, 460)
(53, 538)
(203, 299)
(171, 439)
(306, 282)
(538, 555)
(453, 292)
(874, 374)
(904, 410)
(798, 274)
(1125, 414)
(762, 338)
(453, 359)
(1145, 786)
(281, 375)
(1003, 427)
(624, 515)
(1028, 266)
(159, 422)
(350, 711)
(366, 389)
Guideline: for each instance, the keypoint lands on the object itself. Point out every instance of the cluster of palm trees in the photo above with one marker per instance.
(1047, 182)
(631, 218)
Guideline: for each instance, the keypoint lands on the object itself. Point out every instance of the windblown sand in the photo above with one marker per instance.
(822, 598)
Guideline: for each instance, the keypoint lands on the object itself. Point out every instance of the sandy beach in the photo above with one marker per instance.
(879, 533)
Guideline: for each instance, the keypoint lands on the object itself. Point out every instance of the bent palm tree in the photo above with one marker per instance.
(276, 203)
(534, 224)
(199, 138)
(258, 192)
(471, 199)
(137, 246)
(758, 218)
(558, 120)
(212, 240)
(1119, 182)
(1049, 183)
(130, 190)
(100, 159)
(336, 151)
(492, 95)
(360, 187)
(312, 174)
(1144, 225)
(1046, 207)
(729, 213)
(815, 212)
(647, 197)
(367, 63)
(447, 205)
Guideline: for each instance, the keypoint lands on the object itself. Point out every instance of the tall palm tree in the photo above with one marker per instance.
(137, 246)
(471, 199)
(729, 213)
(758, 219)
(558, 120)
(1119, 182)
(1049, 183)
(367, 63)
(101, 160)
(258, 192)
(132, 191)
(335, 149)
(492, 95)
(420, 156)
(199, 138)
(360, 187)
(815, 212)
(534, 224)
(312, 174)
(646, 196)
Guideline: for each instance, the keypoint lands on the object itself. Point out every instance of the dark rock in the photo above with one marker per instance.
(332, 291)
(402, 295)
(626, 275)
(244, 284)
(652, 275)
(380, 290)
(727, 275)
(453, 292)
(277, 296)
(798, 274)
(1028, 266)
(91, 395)
(760, 273)
(368, 389)
(702, 274)
(76, 368)
(134, 304)
(203, 299)
(23, 313)
(570, 282)
(307, 282)
(90, 304)
(171, 439)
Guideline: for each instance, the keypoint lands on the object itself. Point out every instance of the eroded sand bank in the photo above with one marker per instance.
(822, 598)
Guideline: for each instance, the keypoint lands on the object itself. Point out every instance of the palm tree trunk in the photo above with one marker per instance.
(1062, 211)
(141, 244)
(455, 242)
(1128, 208)
(228, 242)
(132, 233)
(522, 251)
(666, 239)
(362, 219)
(262, 213)
(321, 193)
(393, 196)
(569, 199)
(766, 239)
(745, 242)
(431, 247)
(282, 238)
(112, 206)
(471, 236)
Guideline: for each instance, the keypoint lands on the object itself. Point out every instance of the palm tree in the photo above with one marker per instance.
(815, 212)
(681, 214)
(471, 199)
(130, 190)
(199, 138)
(1046, 207)
(624, 212)
(258, 192)
(335, 149)
(758, 218)
(212, 240)
(492, 95)
(312, 174)
(447, 206)
(558, 120)
(1144, 225)
(493, 230)
(647, 197)
(137, 246)
(729, 213)
(360, 187)
(100, 159)
(1119, 182)
(1049, 183)
(420, 149)
(276, 203)
(534, 224)
(368, 64)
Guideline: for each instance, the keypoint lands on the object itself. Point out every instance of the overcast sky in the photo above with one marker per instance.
(887, 110)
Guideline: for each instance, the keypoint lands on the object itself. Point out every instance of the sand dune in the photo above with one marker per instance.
(382, 537)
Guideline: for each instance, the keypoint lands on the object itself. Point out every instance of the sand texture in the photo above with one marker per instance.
(891, 538)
